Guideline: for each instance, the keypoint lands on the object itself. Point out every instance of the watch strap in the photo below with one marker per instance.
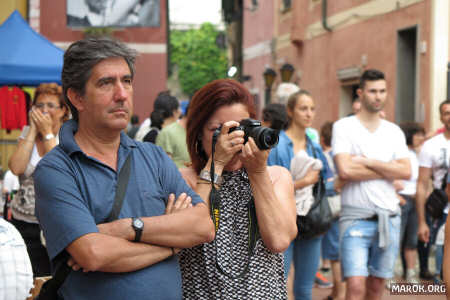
(137, 230)
(206, 175)
(49, 136)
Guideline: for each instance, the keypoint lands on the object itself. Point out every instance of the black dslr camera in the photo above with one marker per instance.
(265, 138)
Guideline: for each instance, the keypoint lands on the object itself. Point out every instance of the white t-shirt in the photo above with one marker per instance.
(387, 143)
(435, 154)
(10, 182)
(143, 130)
(410, 185)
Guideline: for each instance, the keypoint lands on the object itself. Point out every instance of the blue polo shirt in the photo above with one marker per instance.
(74, 192)
(283, 153)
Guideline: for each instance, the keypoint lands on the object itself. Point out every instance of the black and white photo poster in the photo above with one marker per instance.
(113, 13)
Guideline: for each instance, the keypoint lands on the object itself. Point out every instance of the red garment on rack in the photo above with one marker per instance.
(13, 109)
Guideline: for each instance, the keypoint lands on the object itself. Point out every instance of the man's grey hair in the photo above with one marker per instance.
(82, 56)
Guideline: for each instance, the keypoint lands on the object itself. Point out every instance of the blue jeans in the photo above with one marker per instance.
(330, 242)
(360, 253)
(305, 255)
(439, 259)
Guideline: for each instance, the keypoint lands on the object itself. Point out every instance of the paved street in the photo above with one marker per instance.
(321, 294)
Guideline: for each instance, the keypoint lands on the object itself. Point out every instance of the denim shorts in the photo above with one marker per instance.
(360, 253)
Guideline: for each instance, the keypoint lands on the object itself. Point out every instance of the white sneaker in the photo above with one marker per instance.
(389, 282)
(411, 276)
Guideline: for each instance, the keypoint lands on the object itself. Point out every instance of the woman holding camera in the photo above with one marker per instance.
(294, 142)
(249, 201)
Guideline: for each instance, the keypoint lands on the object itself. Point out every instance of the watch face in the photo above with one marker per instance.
(138, 223)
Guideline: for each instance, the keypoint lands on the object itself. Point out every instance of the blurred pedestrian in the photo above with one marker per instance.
(305, 253)
(330, 241)
(282, 94)
(369, 153)
(356, 107)
(159, 103)
(10, 186)
(172, 139)
(47, 114)
(166, 110)
(433, 165)
(274, 115)
(157, 120)
(415, 136)
(134, 126)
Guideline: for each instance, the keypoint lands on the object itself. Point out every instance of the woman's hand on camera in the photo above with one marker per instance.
(254, 159)
(228, 143)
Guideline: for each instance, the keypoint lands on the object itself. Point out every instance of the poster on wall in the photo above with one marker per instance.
(113, 13)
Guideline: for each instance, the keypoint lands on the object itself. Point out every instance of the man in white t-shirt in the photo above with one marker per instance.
(369, 153)
(433, 164)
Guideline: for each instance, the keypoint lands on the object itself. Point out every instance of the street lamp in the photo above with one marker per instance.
(269, 77)
(286, 72)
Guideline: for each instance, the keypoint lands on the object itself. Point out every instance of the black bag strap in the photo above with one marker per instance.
(444, 181)
(122, 183)
(319, 187)
(51, 287)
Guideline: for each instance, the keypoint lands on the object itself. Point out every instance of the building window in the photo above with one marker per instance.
(286, 5)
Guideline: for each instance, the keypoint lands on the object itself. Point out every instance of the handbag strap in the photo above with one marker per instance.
(64, 270)
(444, 181)
(320, 184)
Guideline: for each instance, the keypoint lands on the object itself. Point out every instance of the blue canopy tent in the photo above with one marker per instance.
(26, 57)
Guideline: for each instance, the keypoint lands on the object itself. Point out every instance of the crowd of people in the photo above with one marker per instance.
(201, 205)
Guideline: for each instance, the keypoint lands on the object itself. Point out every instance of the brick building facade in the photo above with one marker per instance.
(330, 43)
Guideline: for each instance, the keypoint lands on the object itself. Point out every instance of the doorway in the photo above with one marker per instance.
(406, 102)
(348, 95)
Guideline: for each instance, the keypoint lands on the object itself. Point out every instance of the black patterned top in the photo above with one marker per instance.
(201, 279)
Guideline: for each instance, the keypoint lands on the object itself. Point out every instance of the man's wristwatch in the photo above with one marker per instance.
(49, 136)
(138, 226)
(206, 175)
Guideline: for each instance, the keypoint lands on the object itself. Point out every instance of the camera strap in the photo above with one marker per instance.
(215, 204)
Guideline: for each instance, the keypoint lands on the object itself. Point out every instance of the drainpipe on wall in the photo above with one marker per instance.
(448, 81)
(168, 50)
(324, 16)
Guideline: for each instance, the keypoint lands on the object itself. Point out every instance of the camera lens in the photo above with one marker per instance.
(265, 138)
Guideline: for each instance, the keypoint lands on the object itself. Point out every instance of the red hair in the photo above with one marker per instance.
(206, 101)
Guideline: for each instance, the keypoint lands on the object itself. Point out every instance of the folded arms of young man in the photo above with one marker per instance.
(360, 168)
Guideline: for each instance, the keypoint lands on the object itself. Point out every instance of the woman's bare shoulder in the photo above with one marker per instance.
(278, 173)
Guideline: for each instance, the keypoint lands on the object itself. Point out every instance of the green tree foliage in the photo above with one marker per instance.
(198, 58)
